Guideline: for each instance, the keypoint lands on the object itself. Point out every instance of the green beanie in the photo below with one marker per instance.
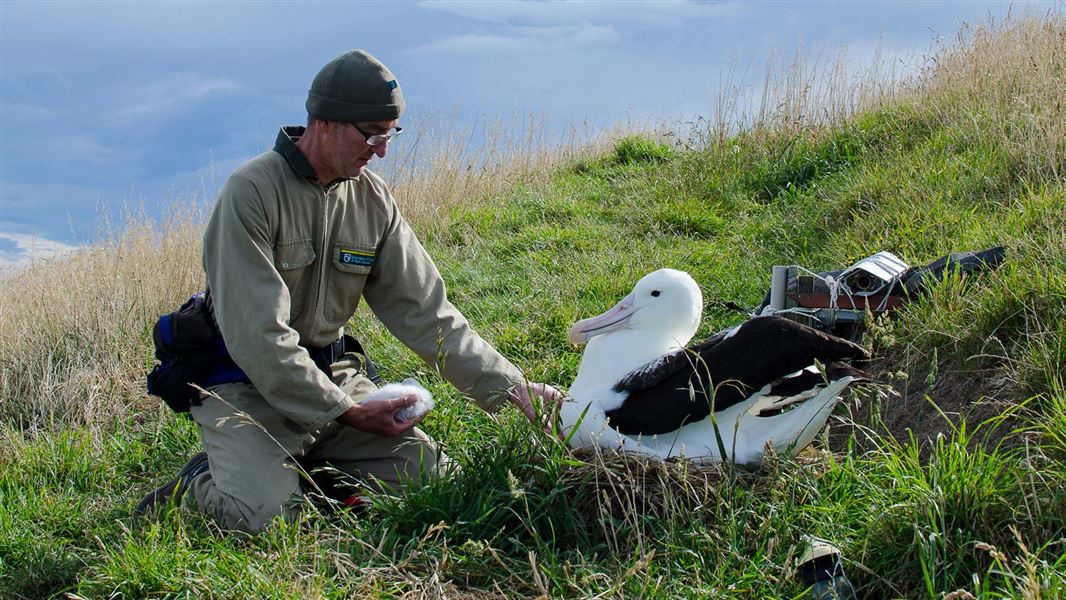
(355, 87)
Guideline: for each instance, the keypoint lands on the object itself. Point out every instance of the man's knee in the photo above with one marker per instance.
(251, 479)
(248, 505)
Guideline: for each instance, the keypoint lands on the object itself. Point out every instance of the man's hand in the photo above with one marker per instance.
(377, 417)
(547, 399)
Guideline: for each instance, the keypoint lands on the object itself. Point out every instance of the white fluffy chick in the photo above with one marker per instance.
(408, 386)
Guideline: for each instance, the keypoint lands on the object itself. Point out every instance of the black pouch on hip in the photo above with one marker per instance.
(186, 345)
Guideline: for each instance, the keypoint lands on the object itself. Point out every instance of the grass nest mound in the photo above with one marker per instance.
(628, 486)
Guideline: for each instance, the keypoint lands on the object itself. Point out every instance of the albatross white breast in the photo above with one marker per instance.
(640, 388)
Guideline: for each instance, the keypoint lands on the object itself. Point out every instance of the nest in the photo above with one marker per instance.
(620, 485)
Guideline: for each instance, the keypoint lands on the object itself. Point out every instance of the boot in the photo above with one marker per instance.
(174, 489)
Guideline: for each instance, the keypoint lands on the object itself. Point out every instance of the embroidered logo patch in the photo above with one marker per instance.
(362, 258)
(393, 85)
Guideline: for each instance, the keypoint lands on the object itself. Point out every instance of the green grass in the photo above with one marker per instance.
(918, 518)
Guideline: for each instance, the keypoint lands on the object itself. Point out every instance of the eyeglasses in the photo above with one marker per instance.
(377, 139)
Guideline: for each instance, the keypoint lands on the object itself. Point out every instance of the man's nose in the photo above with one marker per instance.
(381, 149)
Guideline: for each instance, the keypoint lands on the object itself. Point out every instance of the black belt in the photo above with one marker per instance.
(327, 355)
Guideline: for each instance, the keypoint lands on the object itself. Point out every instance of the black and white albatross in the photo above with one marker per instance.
(639, 388)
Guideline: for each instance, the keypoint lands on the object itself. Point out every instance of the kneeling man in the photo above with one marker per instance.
(298, 235)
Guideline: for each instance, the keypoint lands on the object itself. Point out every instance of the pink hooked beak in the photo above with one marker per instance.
(615, 318)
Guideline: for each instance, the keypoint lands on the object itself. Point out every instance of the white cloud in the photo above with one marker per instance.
(172, 93)
(28, 248)
(526, 39)
(653, 13)
(473, 42)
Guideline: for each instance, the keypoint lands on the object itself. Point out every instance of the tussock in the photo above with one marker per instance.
(624, 486)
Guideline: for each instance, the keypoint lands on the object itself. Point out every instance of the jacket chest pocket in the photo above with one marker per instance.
(293, 262)
(351, 263)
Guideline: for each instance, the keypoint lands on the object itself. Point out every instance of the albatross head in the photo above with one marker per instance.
(660, 315)
(664, 307)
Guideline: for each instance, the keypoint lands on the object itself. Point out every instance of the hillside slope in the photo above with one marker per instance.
(972, 155)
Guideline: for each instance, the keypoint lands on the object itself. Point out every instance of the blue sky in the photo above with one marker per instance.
(107, 104)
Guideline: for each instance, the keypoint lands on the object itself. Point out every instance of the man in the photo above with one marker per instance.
(297, 236)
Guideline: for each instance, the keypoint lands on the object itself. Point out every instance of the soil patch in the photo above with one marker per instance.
(924, 398)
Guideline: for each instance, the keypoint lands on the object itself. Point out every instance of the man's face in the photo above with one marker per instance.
(347, 148)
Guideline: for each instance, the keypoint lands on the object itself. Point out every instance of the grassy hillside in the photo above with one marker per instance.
(969, 155)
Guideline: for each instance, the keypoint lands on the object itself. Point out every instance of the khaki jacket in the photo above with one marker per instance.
(287, 262)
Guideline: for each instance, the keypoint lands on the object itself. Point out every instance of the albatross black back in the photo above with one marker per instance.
(682, 387)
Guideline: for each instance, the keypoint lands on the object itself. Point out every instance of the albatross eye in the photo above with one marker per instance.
(655, 293)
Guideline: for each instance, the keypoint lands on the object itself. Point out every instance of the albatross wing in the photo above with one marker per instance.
(682, 387)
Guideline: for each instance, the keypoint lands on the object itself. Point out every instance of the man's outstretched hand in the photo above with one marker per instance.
(546, 397)
(378, 416)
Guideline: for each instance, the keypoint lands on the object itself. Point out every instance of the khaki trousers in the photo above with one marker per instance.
(251, 450)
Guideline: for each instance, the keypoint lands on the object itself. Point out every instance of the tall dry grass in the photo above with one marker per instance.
(805, 92)
(76, 328)
(1004, 78)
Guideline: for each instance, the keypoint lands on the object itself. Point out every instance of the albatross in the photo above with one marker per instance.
(768, 382)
